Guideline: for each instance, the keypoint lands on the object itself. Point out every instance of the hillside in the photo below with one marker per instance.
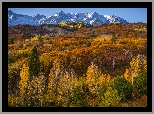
(77, 65)
(66, 28)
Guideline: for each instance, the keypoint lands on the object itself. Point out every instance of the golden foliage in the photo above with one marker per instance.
(46, 63)
(27, 40)
(102, 79)
(34, 39)
(138, 64)
(37, 86)
(14, 101)
(51, 81)
(65, 87)
(92, 79)
(105, 79)
(127, 75)
(26, 51)
(73, 53)
(23, 83)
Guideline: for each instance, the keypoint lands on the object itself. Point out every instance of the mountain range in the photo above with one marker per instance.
(91, 18)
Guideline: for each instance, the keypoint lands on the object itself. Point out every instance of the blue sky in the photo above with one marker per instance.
(129, 14)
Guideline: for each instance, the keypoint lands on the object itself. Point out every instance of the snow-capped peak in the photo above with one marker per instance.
(107, 16)
(115, 19)
(55, 14)
(94, 13)
(90, 18)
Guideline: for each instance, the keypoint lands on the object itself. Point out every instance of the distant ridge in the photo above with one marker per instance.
(90, 18)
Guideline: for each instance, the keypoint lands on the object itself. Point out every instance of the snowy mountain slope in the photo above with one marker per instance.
(90, 18)
(115, 19)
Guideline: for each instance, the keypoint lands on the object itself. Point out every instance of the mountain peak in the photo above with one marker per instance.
(114, 16)
(94, 13)
(90, 18)
(61, 12)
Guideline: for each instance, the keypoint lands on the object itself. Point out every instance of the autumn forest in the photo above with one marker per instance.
(77, 65)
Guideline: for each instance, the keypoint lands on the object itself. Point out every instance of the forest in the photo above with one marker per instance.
(77, 65)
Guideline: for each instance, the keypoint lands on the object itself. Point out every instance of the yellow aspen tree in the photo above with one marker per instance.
(24, 76)
(37, 85)
(137, 66)
(51, 81)
(33, 87)
(145, 63)
(92, 79)
(104, 79)
(64, 87)
(63, 84)
(127, 75)
(108, 79)
(45, 66)
(54, 77)
(41, 84)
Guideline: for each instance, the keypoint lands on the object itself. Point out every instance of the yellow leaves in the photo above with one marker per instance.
(132, 62)
(127, 75)
(76, 83)
(51, 81)
(102, 79)
(135, 66)
(138, 64)
(45, 58)
(59, 97)
(34, 39)
(24, 75)
(145, 64)
(63, 23)
(102, 40)
(141, 29)
(71, 26)
(36, 86)
(95, 79)
(14, 101)
(23, 51)
(79, 26)
(41, 100)
(135, 29)
(105, 79)
(27, 40)
(65, 84)
(108, 79)
(49, 97)
(92, 79)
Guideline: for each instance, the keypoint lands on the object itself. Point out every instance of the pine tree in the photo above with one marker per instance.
(33, 63)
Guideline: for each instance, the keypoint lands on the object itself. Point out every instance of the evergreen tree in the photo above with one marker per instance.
(33, 63)
(113, 39)
(88, 43)
(11, 41)
(40, 39)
